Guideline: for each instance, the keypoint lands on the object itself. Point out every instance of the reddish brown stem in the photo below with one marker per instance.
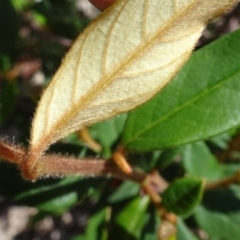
(11, 153)
(51, 165)
(224, 182)
(55, 166)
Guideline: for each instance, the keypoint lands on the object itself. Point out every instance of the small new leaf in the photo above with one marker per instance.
(120, 61)
(183, 195)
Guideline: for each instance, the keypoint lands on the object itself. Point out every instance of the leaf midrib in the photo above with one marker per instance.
(104, 81)
(103, 84)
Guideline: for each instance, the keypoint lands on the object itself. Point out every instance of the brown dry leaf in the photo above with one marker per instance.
(120, 61)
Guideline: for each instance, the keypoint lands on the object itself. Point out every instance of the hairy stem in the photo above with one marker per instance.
(52, 165)
(56, 166)
(11, 153)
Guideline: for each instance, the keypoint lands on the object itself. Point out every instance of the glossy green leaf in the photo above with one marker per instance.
(200, 102)
(182, 196)
(131, 219)
(200, 162)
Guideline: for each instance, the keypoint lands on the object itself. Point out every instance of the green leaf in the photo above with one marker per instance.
(39, 19)
(95, 227)
(183, 233)
(218, 224)
(221, 141)
(107, 132)
(19, 5)
(183, 195)
(199, 161)
(124, 191)
(219, 215)
(60, 204)
(200, 102)
(131, 219)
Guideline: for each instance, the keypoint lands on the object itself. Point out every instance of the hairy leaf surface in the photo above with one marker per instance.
(120, 61)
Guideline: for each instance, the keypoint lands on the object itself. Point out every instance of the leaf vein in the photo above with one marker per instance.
(104, 81)
(135, 74)
(108, 39)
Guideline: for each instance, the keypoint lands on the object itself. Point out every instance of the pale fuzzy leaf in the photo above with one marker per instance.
(120, 61)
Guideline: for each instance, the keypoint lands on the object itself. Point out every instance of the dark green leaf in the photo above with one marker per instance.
(182, 196)
(200, 102)
(95, 228)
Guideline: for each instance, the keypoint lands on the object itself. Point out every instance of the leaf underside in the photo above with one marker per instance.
(120, 61)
